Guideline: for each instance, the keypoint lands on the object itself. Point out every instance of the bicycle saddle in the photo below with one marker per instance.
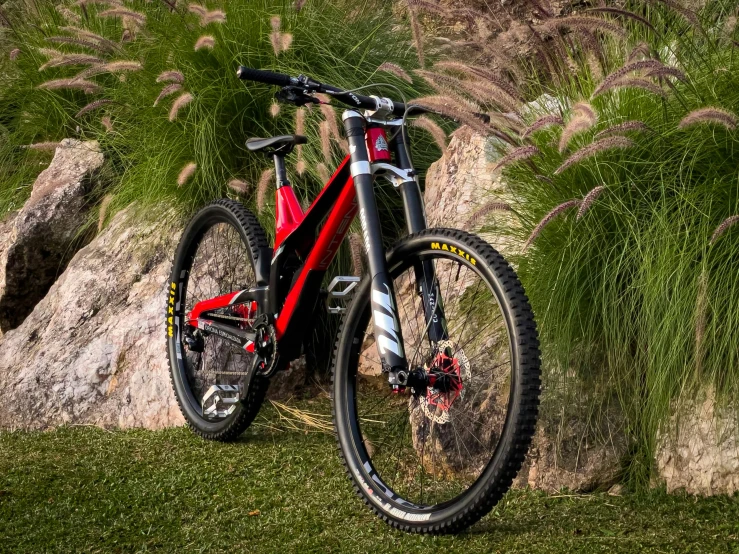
(282, 144)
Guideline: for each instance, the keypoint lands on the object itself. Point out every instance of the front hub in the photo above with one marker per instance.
(446, 374)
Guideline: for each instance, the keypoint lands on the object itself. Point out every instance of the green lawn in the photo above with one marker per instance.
(82, 489)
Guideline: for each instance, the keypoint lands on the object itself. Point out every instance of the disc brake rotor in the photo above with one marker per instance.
(437, 403)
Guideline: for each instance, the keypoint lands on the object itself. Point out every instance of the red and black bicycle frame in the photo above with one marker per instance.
(289, 277)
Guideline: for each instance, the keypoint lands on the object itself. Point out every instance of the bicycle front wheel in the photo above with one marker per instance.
(437, 460)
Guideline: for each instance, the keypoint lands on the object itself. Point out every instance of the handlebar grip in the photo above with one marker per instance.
(266, 77)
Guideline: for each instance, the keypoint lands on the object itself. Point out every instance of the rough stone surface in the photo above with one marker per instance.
(464, 181)
(698, 452)
(93, 350)
(44, 232)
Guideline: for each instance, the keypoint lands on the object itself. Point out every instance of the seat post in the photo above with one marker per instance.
(280, 170)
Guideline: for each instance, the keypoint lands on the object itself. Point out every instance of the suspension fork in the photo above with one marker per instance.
(388, 335)
(415, 217)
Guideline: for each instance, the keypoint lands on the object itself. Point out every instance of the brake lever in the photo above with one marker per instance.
(295, 95)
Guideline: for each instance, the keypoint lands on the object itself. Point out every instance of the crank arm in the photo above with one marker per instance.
(240, 337)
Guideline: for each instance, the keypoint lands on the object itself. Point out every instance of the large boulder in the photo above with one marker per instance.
(92, 350)
(42, 237)
(698, 450)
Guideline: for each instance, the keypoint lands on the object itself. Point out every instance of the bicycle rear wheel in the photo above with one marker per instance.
(437, 460)
(216, 256)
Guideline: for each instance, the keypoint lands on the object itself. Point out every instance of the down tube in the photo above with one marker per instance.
(388, 335)
(304, 293)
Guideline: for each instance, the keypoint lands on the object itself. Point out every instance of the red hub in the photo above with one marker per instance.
(445, 381)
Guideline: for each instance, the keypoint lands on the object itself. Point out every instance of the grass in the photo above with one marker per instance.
(83, 489)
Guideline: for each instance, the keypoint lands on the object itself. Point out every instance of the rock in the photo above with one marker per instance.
(573, 449)
(698, 450)
(6, 238)
(44, 233)
(92, 350)
(463, 182)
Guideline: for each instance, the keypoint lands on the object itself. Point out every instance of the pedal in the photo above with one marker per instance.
(340, 291)
(220, 401)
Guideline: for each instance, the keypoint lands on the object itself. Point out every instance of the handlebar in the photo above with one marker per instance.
(308, 85)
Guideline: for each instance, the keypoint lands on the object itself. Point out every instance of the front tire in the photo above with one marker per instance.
(461, 448)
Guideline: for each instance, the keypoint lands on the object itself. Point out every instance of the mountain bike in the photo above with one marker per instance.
(436, 372)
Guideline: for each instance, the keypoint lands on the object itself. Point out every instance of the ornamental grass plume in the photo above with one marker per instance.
(481, 91)
(583, 109)
(541, 123)
(624, 13)
(274, 109)
(121, 66)
(602, 145)
(356, 247)
(455, 109)
(166, 91)
(276, 41)
(171, 76)
(322, 172)
(85, 34)
(417, 33)
(630, 67)
(93, 106)
(667, 71)
(396, 70)
(710, 115)
(634, 82)
(71, 59)
(547, 219)
(103, 212)
(124, 13)
(625, 127)
(187, 172)
(325, 134)
(238, 186)
(107, 123)
(44, 145)
(299, 5)
(641, 50)
(205, 41)
(182, 101)
(725, 225)
(197, 9)
(688, 15)
(432, 128)
(286, 40)
(262, 188)
(589, 199)
(330, 116)
(213, 16)
(88, 87)
(583, 22)
(68, 14)
(80, 42)
(517, 154)
(478, 72)
(481, 213)
(575, 126)
(14, 53)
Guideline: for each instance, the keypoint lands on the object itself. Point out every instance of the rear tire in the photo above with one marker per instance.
(458, 484)
(208, 266)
